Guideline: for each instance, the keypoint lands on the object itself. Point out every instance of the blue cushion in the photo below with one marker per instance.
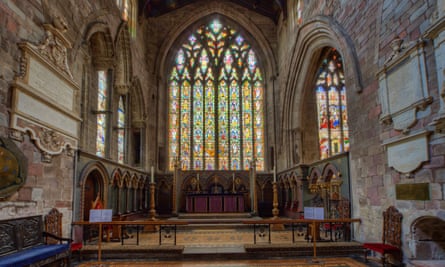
(31, 255)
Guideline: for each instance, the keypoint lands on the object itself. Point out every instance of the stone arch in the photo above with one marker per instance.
(101, 44)
(328, 173)
(316, 34)
(117, 177)
(115, 190)
(228, 11)
(93, 172)
(428, 236)
(259, 42)
(314, 175)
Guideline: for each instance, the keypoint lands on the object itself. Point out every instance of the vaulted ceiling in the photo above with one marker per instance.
(269, 8)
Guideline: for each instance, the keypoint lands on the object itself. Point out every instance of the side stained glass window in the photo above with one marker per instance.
(121, 130)
(331, 106)
(216, 104)
(129, 14)
(102, 106)
(299, 12)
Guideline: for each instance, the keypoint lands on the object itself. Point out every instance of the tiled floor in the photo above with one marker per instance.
(218, 240)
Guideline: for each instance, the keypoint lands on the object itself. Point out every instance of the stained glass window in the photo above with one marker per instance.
(216, 102)
(102, 106)
(121, 130)
(128, 14)
(299, 12)
(331, 106)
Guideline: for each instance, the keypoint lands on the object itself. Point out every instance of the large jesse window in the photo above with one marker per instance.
(216, 102)
(331, 104)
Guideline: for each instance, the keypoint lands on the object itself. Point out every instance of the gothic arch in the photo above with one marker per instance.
(99, 171)
(117, 176)
(94, 165)
(101, 43)
(316, 34)
(94, 22)
(258, 41)
(200, 12)
(329, 171)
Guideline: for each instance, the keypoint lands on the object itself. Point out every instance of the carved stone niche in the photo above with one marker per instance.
(44, 95)
(403, 87)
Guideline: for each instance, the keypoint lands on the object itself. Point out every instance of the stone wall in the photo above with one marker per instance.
(362, 31)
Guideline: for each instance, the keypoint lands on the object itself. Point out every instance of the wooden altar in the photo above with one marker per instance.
(213, 191)
(209, 203)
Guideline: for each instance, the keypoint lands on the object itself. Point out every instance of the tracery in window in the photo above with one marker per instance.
(121, 130)
(102, 107)
(331, 105)
(216, 102)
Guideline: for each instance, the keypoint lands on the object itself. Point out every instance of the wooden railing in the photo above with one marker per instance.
(313, 227)
(170, 226)
(161, 224)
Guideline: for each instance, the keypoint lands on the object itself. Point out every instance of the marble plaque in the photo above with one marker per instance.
(403, 88)
(407, 154)
(403, 85)
(49, 84)
(41, 112)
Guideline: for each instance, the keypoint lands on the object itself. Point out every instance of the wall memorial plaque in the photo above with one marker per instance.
(408, 153)
(403, 87)
(44, 93)
(420, 191)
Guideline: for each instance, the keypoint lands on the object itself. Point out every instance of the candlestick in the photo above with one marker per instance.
(274, 174)
(152, 180)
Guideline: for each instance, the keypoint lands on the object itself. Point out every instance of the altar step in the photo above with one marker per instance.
(215, 216)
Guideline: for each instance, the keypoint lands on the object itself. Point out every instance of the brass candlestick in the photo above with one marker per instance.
(152, 202)
(275, 210)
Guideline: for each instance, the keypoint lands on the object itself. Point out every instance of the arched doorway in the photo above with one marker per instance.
(93, 186)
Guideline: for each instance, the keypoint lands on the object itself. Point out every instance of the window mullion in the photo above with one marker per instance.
(328, 115)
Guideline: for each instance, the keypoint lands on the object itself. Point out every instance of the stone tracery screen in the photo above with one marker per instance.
(216, 102)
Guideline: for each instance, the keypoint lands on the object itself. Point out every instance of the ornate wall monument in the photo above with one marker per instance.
(403, 92)
(43, 95)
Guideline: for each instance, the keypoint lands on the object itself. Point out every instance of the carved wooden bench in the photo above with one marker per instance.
(26, 242)
(392, 237)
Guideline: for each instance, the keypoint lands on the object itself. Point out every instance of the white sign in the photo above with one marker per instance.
(314, 213)
(102, 215)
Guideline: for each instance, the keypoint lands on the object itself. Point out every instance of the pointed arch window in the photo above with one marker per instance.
(331, 105)
(121, 121)
(102, 112)
(216, 102)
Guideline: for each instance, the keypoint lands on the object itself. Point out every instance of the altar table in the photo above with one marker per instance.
(214, 203)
